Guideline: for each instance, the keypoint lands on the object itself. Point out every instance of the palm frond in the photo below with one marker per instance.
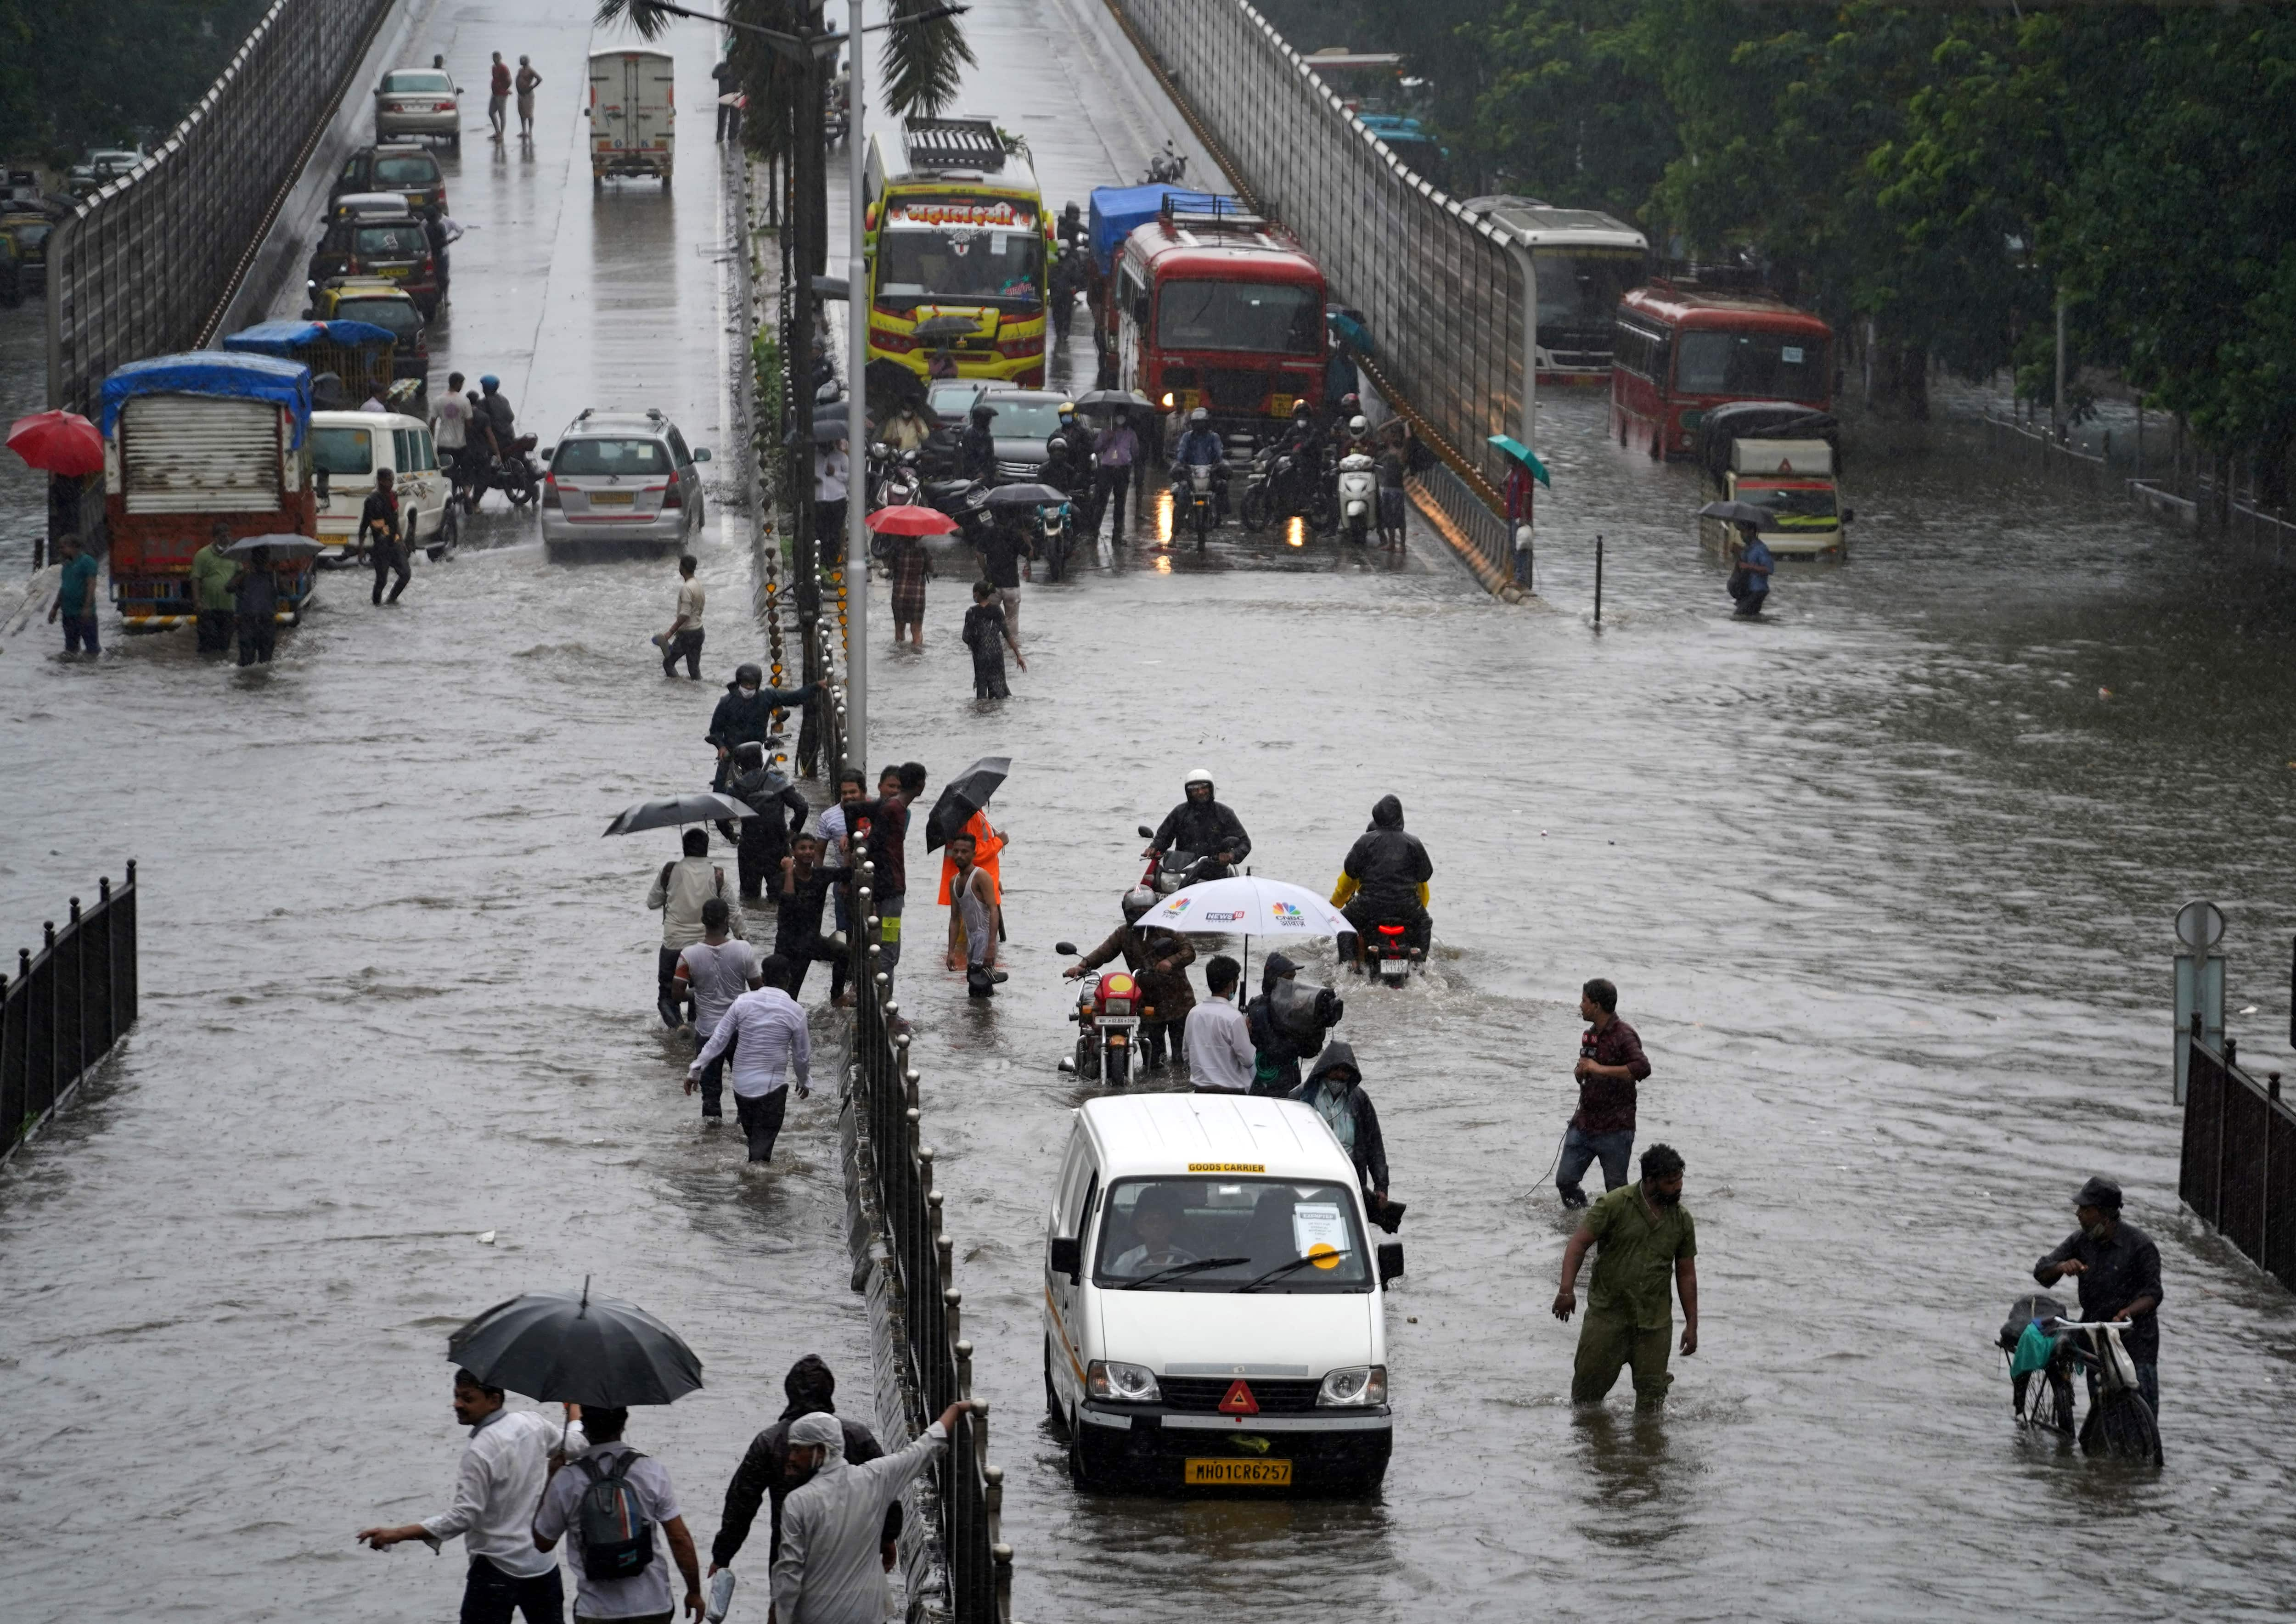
(923, 62)
(650, 22)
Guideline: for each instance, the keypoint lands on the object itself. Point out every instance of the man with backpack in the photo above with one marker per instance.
(679, 890)
(606, 1505)
(497, 1489)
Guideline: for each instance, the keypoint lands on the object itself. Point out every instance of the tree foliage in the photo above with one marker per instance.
(81, 73)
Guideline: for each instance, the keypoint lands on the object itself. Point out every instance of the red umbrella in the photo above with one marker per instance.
(57, 442)
(908, 519)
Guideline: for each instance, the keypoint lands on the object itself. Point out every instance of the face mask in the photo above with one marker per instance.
(2099, 1230)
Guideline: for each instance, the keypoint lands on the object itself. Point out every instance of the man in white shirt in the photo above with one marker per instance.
(767, 1031)
(450, 424)
(720, 968)
(831, 470)
(679, 890)
(1218, 1039)
(645, 1594)
(829, 1570)
(497, 1490)
(683, 640)
(836, 856)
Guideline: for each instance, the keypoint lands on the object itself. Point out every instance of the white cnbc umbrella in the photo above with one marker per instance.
(1246, 905)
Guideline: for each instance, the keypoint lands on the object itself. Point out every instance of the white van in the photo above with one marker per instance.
(1214, 1314)
(347, 447)
(633, 114)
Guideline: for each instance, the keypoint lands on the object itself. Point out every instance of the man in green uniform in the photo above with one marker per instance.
(211, 595)
(1645, 1236)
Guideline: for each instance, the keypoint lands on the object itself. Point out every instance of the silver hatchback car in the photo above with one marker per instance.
(625, 478)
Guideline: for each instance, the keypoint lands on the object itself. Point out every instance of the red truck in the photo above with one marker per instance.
(1207, 305)
(191, 442)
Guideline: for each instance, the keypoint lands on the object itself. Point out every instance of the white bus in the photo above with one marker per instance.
(1585, 260)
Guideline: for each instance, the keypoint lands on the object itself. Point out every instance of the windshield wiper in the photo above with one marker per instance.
(1281, 1269)
(1177, 1269)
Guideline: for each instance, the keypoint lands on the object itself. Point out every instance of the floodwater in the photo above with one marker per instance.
(1884, 880)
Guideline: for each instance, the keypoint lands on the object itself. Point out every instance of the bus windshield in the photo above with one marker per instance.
(1153, 1229)
(1579, 289)
(1003, 269)
(1268, 317)
(1752, 365)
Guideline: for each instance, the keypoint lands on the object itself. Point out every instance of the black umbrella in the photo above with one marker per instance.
(828, 430)
(706, 807)
(947, 327)
(1025, 496)
(1739, 513)
(556, 1346)
(891, 380)
(961, 796)
(276, 546)
(1112, 401)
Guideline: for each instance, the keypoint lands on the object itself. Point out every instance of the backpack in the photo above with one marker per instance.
(617, 1539)
(1740, 580)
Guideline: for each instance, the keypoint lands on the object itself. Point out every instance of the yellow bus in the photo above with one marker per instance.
(957, 237)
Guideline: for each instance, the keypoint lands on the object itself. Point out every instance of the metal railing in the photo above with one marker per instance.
(2238, 1170)
(903, 1258)
(148, 264)
(65, 1009)
(1443, 296)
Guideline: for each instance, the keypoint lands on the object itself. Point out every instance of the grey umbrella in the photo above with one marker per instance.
(279, 546)
(1025, 496)
(705, 807)
(577, 1349)
(1739, 513)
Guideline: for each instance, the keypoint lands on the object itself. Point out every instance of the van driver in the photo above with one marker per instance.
(1155, 1219)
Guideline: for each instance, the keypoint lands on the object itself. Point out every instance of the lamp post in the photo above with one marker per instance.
(856, 411)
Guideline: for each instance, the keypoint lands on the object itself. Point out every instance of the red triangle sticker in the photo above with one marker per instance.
(1784, 466)
(1239, 1400)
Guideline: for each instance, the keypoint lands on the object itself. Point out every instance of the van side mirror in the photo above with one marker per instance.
(1064, 948)
(1146, 834)
(1390, 1261)
(1067, 1257)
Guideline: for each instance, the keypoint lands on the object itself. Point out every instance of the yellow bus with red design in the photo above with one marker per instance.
(958, 247)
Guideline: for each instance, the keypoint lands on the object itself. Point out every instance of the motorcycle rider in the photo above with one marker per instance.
(1200, 826)
(1303, 444)
(1073, 434)
(1160, 959)
(976, 447)
(746, 716)
(1201, 444)
(1384, 881)
(782, 811)
(491, 416)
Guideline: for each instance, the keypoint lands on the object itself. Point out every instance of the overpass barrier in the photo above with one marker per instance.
(148, 265)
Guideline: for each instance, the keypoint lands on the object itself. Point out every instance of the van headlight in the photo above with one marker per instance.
(1113, 1378)
(1357, 1384)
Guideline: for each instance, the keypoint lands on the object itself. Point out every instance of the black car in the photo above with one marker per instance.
(410, 171)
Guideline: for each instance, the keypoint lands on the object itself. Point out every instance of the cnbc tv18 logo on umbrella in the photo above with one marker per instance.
(1288, 915)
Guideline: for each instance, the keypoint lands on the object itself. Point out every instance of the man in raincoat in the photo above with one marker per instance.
(1200, 825)
(764, 1478)
(1335, 1089)
(1384, 880)
(781, 812)
(829, 1570)
(746, 715)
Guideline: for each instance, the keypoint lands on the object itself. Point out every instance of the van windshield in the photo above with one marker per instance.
(341, 452)
(1149, 1226)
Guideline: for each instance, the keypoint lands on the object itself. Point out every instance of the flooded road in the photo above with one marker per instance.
(1884, 881)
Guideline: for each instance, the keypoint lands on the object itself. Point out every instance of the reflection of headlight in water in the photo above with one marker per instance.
(1164, 518)
(1295, 533)
(1163, 566)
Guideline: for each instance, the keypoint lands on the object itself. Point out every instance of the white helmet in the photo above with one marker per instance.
(1196, 775)
(1358, 425)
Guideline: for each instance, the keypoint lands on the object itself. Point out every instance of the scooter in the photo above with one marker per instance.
(1108, 1015)
(1358, 496)
(1389, 957)
(1166, 168)
(1053, 537)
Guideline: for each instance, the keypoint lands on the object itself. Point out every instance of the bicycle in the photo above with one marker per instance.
(2120, 1425)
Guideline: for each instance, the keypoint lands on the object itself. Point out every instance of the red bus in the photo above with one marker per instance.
(1211, 307)
(1681, 349)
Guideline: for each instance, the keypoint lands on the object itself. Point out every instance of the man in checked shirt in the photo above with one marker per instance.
(1609, 1064)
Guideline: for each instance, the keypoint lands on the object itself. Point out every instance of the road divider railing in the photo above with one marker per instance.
(66, 1007)
(953, 1552)
(148, 264)
(2238, 1170)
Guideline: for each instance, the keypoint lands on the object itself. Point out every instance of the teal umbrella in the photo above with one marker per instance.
(1524, 455)
(1352, 332)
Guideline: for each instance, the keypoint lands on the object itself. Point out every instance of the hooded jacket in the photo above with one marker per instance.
(741, 718)
(810, 1388)
(1198, 827)
(1388, 866)
(1278, 1068)
(782, 811)
(1370, 1151)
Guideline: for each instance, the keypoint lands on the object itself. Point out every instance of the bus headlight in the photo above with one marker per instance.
(1113, 1378)
(1357, 1384)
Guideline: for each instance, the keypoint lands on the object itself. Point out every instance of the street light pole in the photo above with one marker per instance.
(857, 402)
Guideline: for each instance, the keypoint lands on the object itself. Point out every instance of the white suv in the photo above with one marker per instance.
(621, 477)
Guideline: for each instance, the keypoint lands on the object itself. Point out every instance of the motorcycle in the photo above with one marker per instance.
(1109, 1011)
(966, 500)
(513, 473)
(1200, 501)
(1359, 494)
(1389, 957)
(1053, 532)
(1173, 871)
(1168, 168)
(1281, 485)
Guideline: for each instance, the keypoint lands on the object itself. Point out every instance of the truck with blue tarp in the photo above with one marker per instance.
(193, 441)
(359, 354)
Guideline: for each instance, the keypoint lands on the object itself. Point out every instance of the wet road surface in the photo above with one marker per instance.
(1884, 883)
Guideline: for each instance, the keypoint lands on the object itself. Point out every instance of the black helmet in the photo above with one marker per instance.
(748, 676)
(748, 753)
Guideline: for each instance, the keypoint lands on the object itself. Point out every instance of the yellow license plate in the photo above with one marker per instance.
(1280, 405)
(611, 498)
(395, 273)
(1241, 1473)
